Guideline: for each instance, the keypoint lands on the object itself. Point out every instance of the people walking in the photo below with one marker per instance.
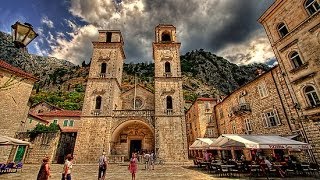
(151, 159)
(133, 166)
(66, 174)
(103, 164)
(44, 172)
(146, 157)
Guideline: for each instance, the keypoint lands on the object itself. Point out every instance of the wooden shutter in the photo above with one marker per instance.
(265, 120)
(275, 112)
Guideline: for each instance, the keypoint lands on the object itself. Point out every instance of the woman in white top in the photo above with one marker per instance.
(66, 175)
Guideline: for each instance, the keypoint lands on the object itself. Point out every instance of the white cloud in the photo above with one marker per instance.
(45, 20)
(79, 48)
(39, 51)
(257, 49)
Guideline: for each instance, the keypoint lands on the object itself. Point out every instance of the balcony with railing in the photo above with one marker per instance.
(96, 112)
(241, 109)
(167, 74)
(133, 113)
(103, 75)
(169, 111)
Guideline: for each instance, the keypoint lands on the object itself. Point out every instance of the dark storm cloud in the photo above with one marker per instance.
(209, 24)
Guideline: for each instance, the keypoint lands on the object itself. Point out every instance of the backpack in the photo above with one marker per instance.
(103, 163)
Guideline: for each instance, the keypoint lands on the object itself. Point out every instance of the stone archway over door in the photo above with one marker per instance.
(132, 136)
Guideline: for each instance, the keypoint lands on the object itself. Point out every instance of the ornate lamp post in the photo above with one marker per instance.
(22, 34)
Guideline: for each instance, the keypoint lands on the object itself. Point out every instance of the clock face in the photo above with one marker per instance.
(139, 103)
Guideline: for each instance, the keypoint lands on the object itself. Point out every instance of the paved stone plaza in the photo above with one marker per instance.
(120, 172)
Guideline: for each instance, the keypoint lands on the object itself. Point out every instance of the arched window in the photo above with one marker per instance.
(98, 102)
(312, 6)
(282, 29)
(165, 36)
(312, 96)
(295, 59)
(169, 103)
(167, 67)
(103, 68)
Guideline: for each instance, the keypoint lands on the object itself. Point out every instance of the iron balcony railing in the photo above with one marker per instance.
(241, 108)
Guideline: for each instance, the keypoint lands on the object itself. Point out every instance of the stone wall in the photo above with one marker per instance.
(303, 37)
(45, 144)
(14, 106)
(199, 120)
(146, 97)
(92, 139)
(231, 115)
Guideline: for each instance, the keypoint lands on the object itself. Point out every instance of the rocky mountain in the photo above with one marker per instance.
(62, 83)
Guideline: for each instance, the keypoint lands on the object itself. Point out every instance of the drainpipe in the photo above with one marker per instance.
(281, 101)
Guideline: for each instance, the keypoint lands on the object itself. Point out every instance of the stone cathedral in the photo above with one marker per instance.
(120, 123)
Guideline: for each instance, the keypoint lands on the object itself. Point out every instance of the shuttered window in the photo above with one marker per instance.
(271, 118)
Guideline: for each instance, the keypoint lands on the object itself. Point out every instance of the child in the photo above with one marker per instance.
(133, 166)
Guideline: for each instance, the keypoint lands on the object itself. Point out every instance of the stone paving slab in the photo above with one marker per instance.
(120, 172)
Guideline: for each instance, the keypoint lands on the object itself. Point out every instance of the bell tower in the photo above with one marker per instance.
(170, 130)
(102, 96)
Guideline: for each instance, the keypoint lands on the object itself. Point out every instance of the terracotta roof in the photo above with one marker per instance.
(38, 118)
(205, 99)
(16, 70)
(69, 130)
(47, 104)
(61, 113)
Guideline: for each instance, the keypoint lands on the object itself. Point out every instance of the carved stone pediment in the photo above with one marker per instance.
(104, 57)
(98, 92)
(167, 91)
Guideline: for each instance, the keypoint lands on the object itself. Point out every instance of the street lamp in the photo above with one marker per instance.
(22, 34)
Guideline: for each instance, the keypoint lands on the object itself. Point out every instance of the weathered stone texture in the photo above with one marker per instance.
(232, 120)
(199, 120)
(14, 106)
(44, 145)
(303, 38)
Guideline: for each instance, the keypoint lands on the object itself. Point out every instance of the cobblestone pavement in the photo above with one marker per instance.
(120, 172)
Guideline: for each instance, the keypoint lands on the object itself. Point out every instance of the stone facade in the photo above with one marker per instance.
(43, 107)
(256, 108)
(123, 122)
(293, 29)
(262, 106)
(199, 120)
(45, 144)
(13, 102)
(67, 120)
(31, 122)
(171, 140)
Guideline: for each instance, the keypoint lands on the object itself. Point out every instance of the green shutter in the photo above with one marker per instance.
(65, 123)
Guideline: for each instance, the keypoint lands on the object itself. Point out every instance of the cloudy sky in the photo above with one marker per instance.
(66, 28)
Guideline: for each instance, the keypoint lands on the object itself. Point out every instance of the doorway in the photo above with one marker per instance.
(135, 146)
(65, 146)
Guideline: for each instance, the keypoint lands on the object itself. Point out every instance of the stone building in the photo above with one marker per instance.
(256, 108)
(120, 123)
(31, 122)
(293, 30)
(15, 89)
(260, 107)
(199, 120)
(67, 120)
(42, 107)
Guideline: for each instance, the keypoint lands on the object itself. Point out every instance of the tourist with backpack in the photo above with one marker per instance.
(103, 164)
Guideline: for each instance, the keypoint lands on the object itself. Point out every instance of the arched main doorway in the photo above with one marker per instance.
(132, 136)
